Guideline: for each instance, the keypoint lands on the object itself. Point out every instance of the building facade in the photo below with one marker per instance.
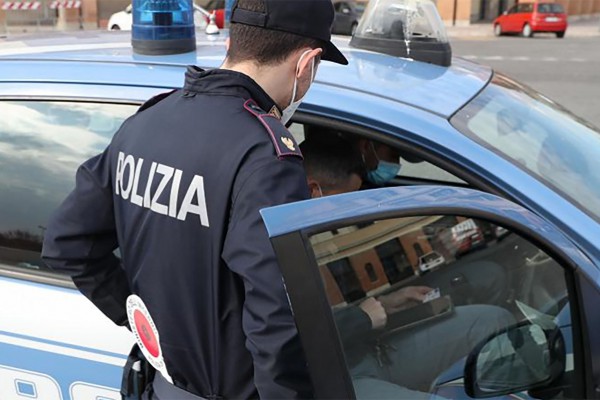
(93, 14)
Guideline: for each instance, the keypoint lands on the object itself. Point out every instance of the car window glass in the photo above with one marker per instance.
(41, 146)
(524, 8)
(546, 8)
(539, 136)
(412, 169)
(512, 10)
(412, 297)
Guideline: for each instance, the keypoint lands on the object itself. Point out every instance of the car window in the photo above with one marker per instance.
(525, 8)
(406, 321)
(411, 168)
(539, 136)
(547, 8)
(41, 145)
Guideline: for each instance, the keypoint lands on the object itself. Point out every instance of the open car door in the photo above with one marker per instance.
(504, 306)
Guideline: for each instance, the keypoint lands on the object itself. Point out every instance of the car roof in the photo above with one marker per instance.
(107, 58)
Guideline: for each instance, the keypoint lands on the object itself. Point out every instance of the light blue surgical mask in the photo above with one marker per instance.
(385, 172)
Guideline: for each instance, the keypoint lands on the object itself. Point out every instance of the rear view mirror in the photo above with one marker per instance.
(524, 357)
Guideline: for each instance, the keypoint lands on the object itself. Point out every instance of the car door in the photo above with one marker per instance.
(351, 268)
(526, 14)
(510, 22)
(54, 344)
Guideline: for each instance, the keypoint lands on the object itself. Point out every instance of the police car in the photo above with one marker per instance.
(475, 144)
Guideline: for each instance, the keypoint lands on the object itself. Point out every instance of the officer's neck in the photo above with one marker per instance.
(275, 80)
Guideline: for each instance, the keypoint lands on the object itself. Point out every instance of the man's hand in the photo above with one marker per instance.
(375, 311)
(403, 298)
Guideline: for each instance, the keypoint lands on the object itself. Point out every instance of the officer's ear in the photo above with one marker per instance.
(306, 62)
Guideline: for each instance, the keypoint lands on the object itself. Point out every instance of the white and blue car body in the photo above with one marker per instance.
(62, 98)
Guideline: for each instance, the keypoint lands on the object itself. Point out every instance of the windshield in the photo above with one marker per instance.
(539, 136)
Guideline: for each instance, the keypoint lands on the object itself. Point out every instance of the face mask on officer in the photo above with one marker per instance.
(287, 113)
(385, 170)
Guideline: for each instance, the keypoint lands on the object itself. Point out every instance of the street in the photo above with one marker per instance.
(565, 70)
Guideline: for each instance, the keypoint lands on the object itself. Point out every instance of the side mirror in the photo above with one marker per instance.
(524, 357)
(505, 13)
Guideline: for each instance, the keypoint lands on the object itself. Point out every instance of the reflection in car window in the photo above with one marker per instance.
(41, 146)
(539, 136)
(406, 321)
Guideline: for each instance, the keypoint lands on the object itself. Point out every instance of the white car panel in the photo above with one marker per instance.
(44, 317)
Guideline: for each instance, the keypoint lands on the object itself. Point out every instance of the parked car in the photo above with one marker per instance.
(347, 15)
(430, 261)
(464, 237)
(63, 98)
(530, 18)
(122, 20)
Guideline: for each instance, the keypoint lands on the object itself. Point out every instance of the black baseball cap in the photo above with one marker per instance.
(308, 18)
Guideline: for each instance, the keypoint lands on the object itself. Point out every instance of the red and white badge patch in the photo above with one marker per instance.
(146, 334)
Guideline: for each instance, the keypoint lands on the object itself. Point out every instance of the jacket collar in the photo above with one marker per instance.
(229, 83)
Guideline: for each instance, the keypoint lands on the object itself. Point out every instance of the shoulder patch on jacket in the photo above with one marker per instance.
(152, 101)
(284, 142)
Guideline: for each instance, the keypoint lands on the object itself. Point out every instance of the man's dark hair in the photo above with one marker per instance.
(263, 46)
(331, 162)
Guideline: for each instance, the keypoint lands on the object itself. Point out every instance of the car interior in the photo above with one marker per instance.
(474, 261)
(465, 260)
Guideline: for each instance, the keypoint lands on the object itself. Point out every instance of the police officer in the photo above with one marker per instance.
(179, 190)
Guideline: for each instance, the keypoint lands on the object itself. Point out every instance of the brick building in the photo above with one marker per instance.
(95, 13)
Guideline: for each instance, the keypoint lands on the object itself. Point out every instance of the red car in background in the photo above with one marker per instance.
(529, 18)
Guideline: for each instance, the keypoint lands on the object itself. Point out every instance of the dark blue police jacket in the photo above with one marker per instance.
(178, 191)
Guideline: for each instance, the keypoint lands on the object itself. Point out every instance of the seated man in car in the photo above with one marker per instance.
(405, 363)
(380, 162)
(376, 164)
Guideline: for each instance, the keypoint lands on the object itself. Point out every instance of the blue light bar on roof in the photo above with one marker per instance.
(163, 27)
